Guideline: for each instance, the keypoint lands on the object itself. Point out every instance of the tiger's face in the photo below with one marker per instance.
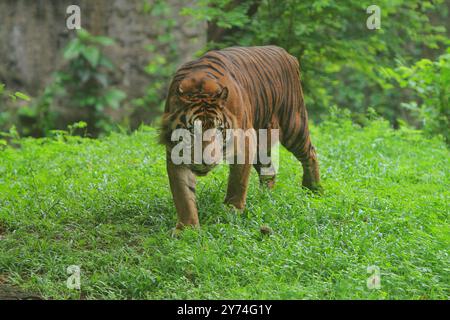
(201, 112)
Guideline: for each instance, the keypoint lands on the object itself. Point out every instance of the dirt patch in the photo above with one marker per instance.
(8, 292)
(2, 231)
(12, 293)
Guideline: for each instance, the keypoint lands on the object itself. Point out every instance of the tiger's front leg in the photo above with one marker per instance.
(245, 147)
(238, 185)
(182, 184)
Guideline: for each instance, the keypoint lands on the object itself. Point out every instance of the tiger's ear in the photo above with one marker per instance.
(223, 94)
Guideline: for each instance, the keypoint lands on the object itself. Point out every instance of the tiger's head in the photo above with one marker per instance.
(200, 107)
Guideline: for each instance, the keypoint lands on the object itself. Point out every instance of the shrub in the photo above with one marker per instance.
(84, 81)
(430, 82)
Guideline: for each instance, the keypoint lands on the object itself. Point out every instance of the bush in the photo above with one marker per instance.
(15, 109)
(339, 56)
(430, 82)
(85, 80)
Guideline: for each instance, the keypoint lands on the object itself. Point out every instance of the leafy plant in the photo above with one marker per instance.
(339, 56)
(85, 80)
(165, 57)
(430, 82)
(14, 106)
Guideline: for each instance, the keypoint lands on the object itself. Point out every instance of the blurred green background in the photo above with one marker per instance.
(113, 74)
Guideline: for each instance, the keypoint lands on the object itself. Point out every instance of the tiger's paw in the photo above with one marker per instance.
(267, 181)
(235, 207)
(178, 230)
(176, 233)
(315, 188)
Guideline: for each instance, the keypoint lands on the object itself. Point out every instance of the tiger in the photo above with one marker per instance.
(237, 88)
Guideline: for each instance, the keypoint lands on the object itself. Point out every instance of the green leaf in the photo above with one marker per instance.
(73, 49)
(22, 96)
(105, 62)
(102, 78)
(113, 98)
(79, 125)
(104, 41)
(92, 54)
(27, 112)
(83, 35)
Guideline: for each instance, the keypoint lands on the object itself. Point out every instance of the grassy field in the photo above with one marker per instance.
(105, 206)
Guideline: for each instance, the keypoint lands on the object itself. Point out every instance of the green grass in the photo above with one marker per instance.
(105, 205)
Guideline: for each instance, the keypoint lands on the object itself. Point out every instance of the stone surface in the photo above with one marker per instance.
(33, 34)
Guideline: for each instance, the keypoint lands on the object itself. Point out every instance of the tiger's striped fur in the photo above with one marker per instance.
(237, 87)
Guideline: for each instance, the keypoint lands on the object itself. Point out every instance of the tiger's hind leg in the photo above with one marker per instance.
(308, 159)
(311, 176)
(299, 144)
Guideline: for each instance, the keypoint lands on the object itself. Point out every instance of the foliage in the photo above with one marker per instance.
(82, 84)
(339, 55)
(105, 206)
(430, 81)
(85, 83)
(165, 56)
(13, 106)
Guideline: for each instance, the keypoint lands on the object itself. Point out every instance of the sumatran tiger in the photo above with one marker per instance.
(236, 88)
